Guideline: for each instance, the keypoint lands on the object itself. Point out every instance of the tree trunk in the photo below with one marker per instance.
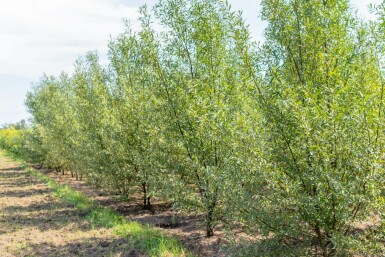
(210, 218)
(146, 199)
(321, 242)
(209, 223)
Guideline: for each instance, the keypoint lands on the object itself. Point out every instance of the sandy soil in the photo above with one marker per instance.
(34, 223)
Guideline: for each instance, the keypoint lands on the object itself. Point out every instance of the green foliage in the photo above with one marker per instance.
(321, 97)
(198, 72)
(284, 139)
(151, 240)
(104, 217)
(11, 140)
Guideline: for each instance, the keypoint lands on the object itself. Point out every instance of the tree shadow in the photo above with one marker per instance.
(87, 247)
(34, 208)
(24, 193)
(11, 173)
(10, 184)
(15, 218)
(272, 246)
(15, 168)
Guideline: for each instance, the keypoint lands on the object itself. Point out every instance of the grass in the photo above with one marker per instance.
(142, 237)
(13, 156)
(145, 237)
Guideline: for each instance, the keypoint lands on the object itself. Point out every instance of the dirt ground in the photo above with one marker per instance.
(34, 223)
(189, 229)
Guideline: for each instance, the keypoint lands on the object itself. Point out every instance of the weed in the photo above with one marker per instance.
(150, 240)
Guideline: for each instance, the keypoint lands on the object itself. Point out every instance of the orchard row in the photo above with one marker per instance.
(284, 139)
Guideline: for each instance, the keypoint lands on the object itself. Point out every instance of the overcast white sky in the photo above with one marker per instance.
(46, 36)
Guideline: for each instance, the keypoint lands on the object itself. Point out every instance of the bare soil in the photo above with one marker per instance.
(34, 223)
(188, 228)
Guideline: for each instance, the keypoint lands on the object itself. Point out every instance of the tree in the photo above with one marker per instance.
(198, 72)
(48, 103)
(320, 93)
(134, 107)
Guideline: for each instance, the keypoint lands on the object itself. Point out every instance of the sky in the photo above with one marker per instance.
(46, 37)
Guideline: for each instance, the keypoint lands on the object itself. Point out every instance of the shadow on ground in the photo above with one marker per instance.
(91, 247)
(34, 223)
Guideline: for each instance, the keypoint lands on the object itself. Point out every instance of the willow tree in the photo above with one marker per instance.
(198, 71)
(320, 93)
(95, 137)
(134, 105)
(49, 104)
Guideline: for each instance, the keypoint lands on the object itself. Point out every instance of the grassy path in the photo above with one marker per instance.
(37, 220)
